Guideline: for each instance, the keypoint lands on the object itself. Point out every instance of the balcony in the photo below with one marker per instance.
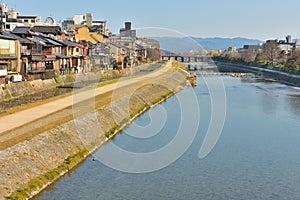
(47, 52)
(35, 70)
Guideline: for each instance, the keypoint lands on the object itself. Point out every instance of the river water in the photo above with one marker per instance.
(256, 156)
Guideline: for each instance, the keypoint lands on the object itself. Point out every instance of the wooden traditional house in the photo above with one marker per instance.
(25, 50)
(54, 31)
(10, 58)
(120, 54)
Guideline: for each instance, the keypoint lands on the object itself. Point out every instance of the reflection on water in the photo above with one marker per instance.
(257, 156)
(294, 104)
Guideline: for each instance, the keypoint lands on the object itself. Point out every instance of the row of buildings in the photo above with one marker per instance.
(287, 46)
(31, 50)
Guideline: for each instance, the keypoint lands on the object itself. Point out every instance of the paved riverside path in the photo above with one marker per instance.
(18, 119)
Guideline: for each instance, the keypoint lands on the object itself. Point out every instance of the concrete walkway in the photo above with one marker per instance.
(18, 119)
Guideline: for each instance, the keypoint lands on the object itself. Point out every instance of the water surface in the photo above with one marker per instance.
(256, 157)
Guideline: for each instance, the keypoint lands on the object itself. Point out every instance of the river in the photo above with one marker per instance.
(256, 156)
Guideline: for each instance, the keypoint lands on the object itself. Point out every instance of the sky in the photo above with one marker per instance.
(255, 19)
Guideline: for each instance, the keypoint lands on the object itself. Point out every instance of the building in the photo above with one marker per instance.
(10, 19)
(78, 19)
(25, 50)
(53, 31)
(72, 24)
(84, 33)
(297, 44)
(252, 48)
(98, 26)
(41, 59)
(10, 58)
(3, 10)
(286, 45)
(127, 31)
(29, 20)
(119, 54)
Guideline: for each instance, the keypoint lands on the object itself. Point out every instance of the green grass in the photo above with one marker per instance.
(57, 79)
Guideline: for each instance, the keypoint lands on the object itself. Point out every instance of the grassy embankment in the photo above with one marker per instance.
(154, 94)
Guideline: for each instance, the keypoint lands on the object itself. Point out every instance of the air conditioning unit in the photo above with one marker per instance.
(3, 72)
(16, 78)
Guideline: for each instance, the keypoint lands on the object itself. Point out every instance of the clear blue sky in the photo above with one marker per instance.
(259, 19)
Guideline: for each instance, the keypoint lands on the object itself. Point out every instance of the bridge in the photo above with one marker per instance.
(187, 58)
(196, 62)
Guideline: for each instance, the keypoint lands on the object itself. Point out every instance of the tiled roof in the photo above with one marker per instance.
(38, 40)
(71, 44)
(52, 42)
(62, 56)
(22, 40)
(47, 29)
(24, 17)
(119, 45)
(21, 30)
(6, 37)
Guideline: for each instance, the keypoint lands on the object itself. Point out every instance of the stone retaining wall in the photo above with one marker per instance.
(53, 149)
(268, 73)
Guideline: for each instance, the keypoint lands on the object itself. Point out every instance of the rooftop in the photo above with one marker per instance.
(21, 30)
(55, 30)
(26, 17)
(22, 40)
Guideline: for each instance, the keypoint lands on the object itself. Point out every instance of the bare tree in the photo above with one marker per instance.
(293, 61)
(271, 52)
(248, 56)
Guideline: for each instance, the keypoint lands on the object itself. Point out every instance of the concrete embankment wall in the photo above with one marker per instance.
(12, 90)
(272, 74)
(28, 167)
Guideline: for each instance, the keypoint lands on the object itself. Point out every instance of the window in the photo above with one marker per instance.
(77, 49)
(49, 65)
(56, 50)
(2, 67)
(33, 21)
(7, 26)
(25, 20)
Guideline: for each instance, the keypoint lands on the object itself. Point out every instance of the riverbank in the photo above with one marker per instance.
(282, 77)
(27, 92)
(259, 143)
(44, 158)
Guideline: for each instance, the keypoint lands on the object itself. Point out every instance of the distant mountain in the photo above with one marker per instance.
(186, 44)
(222, 43)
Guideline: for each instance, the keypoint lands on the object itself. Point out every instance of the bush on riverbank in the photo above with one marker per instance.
(260, 63)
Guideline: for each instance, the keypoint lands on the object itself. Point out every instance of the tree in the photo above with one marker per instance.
(271, 52)
(293, 61)
(259, 56)
(248, 56)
